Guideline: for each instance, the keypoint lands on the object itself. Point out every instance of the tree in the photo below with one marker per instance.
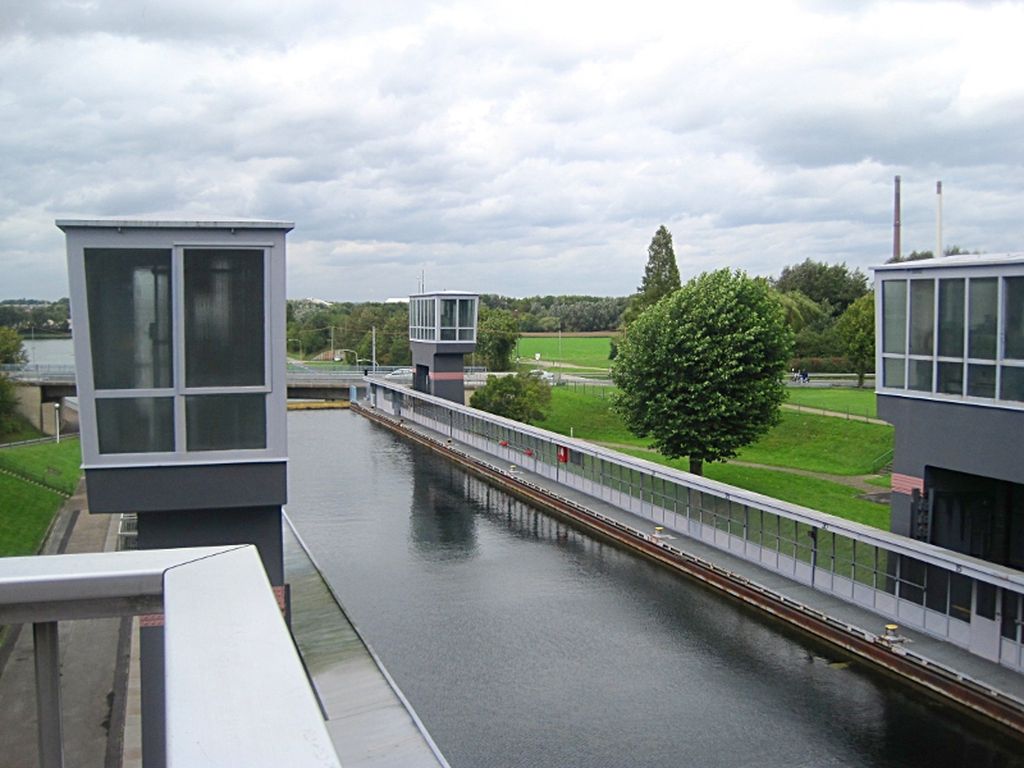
(11, 348)
(857, 330)
(833, 286)
(661, 275)
(701, 372)
(521, 397)
(8, 406)
(953, 250)
(496, 339)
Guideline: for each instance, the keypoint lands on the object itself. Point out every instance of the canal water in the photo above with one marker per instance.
(523, 642)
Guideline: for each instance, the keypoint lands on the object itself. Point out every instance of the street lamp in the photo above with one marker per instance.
(299, 341)
(56, 419)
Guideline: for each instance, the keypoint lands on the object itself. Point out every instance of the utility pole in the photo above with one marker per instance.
(373, 347)
(896, 248)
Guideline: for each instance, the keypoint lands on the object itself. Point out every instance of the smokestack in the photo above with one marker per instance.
(938, 220)
(896, 255)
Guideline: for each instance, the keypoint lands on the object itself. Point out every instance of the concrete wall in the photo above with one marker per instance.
(30, 400)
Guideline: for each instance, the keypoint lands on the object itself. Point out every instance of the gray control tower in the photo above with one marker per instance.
(442, 330)
(179, 334)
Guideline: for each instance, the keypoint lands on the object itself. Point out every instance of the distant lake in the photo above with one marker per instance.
(50, 351)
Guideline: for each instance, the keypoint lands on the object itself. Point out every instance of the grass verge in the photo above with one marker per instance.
(857, 402)
(53, 465)
(27, 512)
(822, 495)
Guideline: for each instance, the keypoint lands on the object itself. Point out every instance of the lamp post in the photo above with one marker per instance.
(299, 341)
(56, 419)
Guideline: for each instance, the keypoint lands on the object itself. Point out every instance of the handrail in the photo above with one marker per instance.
(236, 690)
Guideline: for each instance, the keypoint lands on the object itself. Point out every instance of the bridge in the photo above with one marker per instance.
(305, 382)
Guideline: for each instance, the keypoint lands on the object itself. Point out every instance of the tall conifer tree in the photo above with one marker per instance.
(661, 275)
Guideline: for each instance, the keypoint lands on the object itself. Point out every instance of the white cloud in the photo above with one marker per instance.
(512, 148)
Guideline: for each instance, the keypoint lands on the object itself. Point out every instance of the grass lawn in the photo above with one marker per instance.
(816, 443)
(859, 402)
(57, 466)
(26, 514)
(822, 495)
(585, 351)
(802, 441)
(21, 430)
(821, 444)
(586, 416)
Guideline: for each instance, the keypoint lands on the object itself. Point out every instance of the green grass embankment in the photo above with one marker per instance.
(821, 444)
(569, 351)
(855, 402)
(33, 484)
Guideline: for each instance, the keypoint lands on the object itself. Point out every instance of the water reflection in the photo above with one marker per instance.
(523, 642)
(441, 522)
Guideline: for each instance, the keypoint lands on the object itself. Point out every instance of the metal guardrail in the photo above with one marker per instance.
(975, 604)
(236, 690)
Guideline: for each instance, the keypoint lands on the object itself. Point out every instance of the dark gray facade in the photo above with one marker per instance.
(950, 362)
(439, 369)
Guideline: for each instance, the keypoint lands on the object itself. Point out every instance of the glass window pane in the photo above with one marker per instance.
(920, 375)
(951, 318)
(128, 292)
(981, 380)
(224, 318)
(448, 312)
(225, 422)
(465, 334)
(1013, 317)
(982, 335)
(1011, 383)
(922, 317)
(465, 313)
(135, 425)
(894, 315)
(951, 378)
(894, 371)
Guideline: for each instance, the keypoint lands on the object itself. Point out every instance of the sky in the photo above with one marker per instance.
(521, 148)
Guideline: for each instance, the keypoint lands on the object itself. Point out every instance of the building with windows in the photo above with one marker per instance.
(950, 379)
(442, 330)
(179, 345)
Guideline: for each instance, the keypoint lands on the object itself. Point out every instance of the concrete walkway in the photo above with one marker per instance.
(89, 649)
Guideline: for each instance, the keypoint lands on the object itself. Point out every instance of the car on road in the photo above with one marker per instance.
(400, 374)
(546, 376)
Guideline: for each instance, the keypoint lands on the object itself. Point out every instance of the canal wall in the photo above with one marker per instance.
(950, 674)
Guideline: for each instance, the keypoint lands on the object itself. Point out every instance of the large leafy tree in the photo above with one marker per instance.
(701, 372)
(661, 275)
(520, 397)
(856, 328)
(496, 337)
(833, 286)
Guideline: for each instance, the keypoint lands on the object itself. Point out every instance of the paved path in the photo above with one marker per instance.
(89, 652)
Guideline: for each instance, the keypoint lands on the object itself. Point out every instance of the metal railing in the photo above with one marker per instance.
(972, 603)
(236, 692)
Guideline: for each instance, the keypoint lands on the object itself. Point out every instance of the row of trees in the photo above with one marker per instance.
(28, 316)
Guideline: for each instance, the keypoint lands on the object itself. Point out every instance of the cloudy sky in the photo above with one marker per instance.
(520, 147)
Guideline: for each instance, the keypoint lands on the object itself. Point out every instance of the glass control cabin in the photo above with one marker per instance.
(442, 330)
(179, 336)
(950, 378)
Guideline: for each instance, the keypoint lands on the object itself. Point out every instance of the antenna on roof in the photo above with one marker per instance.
(938, 220)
